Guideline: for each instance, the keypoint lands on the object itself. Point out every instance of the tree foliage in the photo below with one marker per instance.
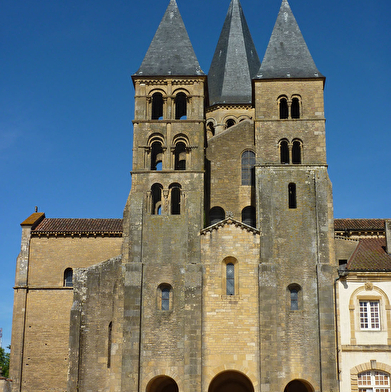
(4, 362)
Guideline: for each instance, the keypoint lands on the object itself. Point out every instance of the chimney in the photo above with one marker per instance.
(388, 235)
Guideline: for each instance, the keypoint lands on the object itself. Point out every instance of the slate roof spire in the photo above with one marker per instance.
(287, 54)
(170, 52)
(235, 61)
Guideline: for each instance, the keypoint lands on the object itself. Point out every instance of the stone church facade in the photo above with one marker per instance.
(228, 271)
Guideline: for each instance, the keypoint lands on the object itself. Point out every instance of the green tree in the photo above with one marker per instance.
(4, 362)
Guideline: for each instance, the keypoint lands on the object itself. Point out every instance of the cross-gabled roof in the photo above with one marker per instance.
(235, 61)
(170, 52)
(287, 54)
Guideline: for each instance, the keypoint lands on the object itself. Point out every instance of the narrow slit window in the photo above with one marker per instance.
(283, 108)
(109, 343)
(292, 195)
(181, 106)
(157, 106)
(230, 279)
(296, 152)
(284, 152)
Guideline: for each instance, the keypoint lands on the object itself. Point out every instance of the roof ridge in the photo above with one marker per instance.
(170, 52)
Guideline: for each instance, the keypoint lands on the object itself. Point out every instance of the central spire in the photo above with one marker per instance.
(235, 61)
(170, 52)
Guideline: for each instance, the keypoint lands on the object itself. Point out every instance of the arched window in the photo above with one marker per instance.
(295, 108)
(156, 199)
(68, 277)
(164, 300)
(109, 343)
(157, 106)
(248, 216)
(296, 152)
(373, 380)
(230, 279)
(284, 151)
(292, 195)
(294, 296)
(216, 214)
(156, 155)
(283, 108)
(210, 129)
(180, 156)
(162, 384)
(229, 123)
(248, 170)
(180, 106)
(175, 195)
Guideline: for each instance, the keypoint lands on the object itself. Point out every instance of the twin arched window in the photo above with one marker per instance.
(248, 168)
(158, 105)
(174, 195)
(156, 150)
(289, 109)
(286, 154)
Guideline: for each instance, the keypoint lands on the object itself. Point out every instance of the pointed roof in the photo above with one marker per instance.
(235, 61)
(170, 52)
(287, 54)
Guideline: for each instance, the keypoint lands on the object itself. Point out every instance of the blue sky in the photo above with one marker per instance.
(66, 102)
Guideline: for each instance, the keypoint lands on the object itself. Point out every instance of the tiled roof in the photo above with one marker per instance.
(76, 226)
(358, 224)
(371, 255)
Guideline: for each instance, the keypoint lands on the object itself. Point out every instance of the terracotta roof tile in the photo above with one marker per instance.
(62, 225)
(358, 224)
(371, 255)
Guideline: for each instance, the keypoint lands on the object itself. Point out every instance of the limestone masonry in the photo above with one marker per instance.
(228, 271)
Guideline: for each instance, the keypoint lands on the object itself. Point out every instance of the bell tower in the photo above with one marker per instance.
(295, 217)
(164, 212)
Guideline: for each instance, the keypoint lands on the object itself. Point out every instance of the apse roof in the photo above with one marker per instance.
(287, 54)
(235, 61)
(170, 52)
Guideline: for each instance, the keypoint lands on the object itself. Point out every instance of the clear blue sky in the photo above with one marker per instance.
(66, 104)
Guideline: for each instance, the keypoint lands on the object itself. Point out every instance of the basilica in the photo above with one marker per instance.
(227, 271)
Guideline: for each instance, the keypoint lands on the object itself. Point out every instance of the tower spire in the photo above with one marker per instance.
(170, 52)
(287, 54)
(235, 61)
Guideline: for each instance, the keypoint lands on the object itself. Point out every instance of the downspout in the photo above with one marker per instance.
(317, 283)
